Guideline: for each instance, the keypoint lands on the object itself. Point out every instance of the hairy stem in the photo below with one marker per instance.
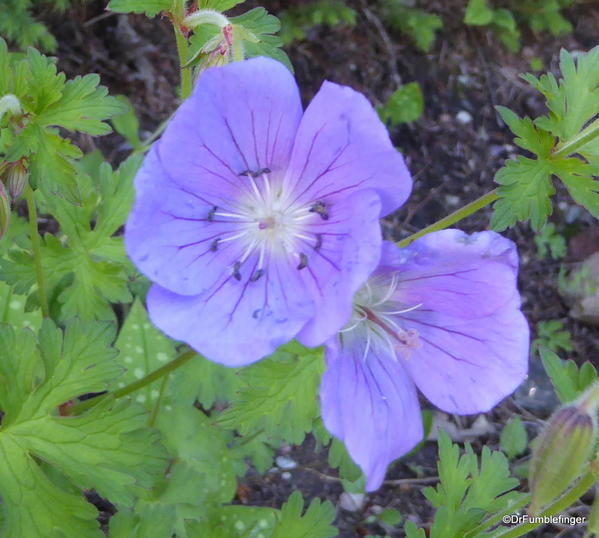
(158, 403)
(182, 49)
(454, 217)
(182, 359)
(557, 507)
(37, 251)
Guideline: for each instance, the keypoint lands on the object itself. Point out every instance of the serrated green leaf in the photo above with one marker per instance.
(278, 395)
(150, 7)
(568, 380)
(525, 193)
(235, 522)
(219, 5)
(127, 124)
(419, 24)
(107, 448)
(315, 523)
(12, 310)
(514, 439)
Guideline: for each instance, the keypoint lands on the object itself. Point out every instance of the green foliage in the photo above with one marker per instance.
(316, 521)
(405, 105)
(50, 102)
(526, 183)
(19, 26)
(277, 396)
(107, 448)
(468, 489)
(419, 25)
(569, 380)
(85, 270)
(548, 241)
(514, 439)
(296, 20)
(150, 7)
(539, 15)
(501, 21)
(551, 335)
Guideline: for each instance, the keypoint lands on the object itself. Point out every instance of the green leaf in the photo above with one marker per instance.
(86, 270)
(12, 310)
(219, 5)
(405, 105)
(514, 439)
(255, 31)
(525, 193)
(390, 516)
(278, 395)
(108, 448)
(127, 124)
(315, 523)
(142, 349)
(548, 241)
(235, 522)
(420, 25)
(50, 101)
(568, 380)
(551, 335)
(150, 7)
(478, 13)
(468, 488)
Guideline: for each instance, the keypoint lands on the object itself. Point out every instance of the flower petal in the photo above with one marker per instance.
(468, 365)
(239, 322)
(369, 403)
(342, 146)
(467, 276)
(350, 250)
(170, 235)
(240, 117)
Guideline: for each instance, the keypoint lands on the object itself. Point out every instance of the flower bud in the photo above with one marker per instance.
(562, 450)
(9, 104)
(4, 210)
(16, 178)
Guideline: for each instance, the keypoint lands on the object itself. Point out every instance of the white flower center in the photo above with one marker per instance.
(375, 324)
(271, 222)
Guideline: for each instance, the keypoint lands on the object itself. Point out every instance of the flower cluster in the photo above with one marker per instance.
(259, 223)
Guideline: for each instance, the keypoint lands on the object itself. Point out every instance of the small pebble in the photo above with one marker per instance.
(286, 475)
(463, 117)
(283, 462)
(352, 502)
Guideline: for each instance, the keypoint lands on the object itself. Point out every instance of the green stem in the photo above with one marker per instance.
(37, 251)
(569, 498)
(136, 385)
(182, 49)
(581, 139)
(497, 518)
(158, 403)
(454, 217)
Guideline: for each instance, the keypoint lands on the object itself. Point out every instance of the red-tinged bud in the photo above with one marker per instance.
(563, 449)
(4, 210)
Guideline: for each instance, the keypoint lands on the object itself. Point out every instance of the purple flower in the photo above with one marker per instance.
(442, 315)
(257, 222)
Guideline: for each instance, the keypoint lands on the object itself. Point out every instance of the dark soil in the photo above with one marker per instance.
(453, 163)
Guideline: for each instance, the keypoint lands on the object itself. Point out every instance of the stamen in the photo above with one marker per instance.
(320, 208)
(255, 173)
(214, 245)
(390, 291)
(236, 272)
(404, 311)
(212, 213)
(318, 242)
(258, 274)
(303, 261)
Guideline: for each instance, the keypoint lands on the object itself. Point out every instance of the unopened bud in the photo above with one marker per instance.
(205, 16)
(562, 451)
(9, 104)
(4, 210)
(16, 175)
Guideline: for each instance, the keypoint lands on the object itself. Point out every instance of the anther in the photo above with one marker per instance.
(211, 213)
(257, 275)
(320, 208)
(236, 272)
(214, 245)
(303, 261)
(255, 173)
(318, 242)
